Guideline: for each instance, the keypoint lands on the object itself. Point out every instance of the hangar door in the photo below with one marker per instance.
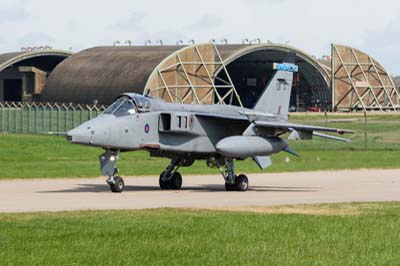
(12, 90)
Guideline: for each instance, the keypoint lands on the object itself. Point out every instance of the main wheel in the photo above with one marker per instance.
(241, 183)
(230, 187)
(163, 184)
(118, 185)
(176, 181)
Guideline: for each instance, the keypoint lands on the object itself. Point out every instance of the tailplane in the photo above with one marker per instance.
(276, 96)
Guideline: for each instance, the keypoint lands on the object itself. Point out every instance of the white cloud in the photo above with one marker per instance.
(133, 22)
(35, 39)
(207, 21)
(10, 15)
(310, 25)
(384, 46)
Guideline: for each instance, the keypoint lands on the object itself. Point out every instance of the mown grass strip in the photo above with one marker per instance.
(29, 156)
(193, 237)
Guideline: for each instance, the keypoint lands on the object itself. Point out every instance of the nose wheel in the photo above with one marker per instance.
(116, 184)
(108, 168)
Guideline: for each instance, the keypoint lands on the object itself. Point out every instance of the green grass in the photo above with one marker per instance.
(29, 156)
(368, 235)
(33, 156)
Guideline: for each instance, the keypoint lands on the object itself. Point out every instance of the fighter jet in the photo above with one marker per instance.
(218, 134)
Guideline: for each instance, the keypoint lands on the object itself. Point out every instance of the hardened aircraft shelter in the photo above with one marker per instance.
(360, 82)
(23, 74)
(349, 80)
(204, 73)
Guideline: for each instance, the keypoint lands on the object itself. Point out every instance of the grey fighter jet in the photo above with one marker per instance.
(184, 133)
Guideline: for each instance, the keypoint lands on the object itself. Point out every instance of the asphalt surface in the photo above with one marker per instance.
(200, 191)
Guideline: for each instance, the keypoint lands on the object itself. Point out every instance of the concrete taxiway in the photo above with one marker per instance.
(200, 191)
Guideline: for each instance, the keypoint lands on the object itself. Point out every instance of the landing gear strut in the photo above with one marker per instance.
(171, 178)
(108, 168)
(232, 182)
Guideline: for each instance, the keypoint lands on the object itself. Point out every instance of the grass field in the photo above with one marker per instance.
(28, 156)
(336, 234)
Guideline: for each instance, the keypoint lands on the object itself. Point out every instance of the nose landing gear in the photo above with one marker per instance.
(117, 185)
(108, 168)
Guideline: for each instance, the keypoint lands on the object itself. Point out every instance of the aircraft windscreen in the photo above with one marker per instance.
(126, 108)
(121, 107)
(113, 106)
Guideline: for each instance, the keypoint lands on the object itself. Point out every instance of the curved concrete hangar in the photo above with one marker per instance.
(103, 73)
(236, 74)
(233, 74)
(193, 74)
(23, 74)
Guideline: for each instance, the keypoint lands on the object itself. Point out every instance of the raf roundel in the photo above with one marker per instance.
(146, 128)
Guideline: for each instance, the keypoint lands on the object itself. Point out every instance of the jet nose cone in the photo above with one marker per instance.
(69, 137)
(78, 135)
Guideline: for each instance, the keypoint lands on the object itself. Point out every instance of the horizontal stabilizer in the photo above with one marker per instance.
(325, 136)
(262, 161)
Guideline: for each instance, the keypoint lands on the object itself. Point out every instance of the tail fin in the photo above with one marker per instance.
(276, 96)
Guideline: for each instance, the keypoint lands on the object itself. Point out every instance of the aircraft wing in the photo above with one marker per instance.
(299, 127)
(222, 117)
(303, 131)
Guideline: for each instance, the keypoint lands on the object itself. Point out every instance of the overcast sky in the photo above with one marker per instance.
(311, 25)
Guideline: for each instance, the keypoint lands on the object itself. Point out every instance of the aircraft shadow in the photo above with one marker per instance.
(95, 188)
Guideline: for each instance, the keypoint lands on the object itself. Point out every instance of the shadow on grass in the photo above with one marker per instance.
(95, 188)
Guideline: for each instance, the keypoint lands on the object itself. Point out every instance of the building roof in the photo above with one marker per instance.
(396, 81)
(102, 73)
(9, 59)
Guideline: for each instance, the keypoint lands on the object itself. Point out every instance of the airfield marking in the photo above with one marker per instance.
(201, 191)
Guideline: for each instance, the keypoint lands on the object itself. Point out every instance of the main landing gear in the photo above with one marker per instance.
(108, 168)
(232, 182)
(171, 178)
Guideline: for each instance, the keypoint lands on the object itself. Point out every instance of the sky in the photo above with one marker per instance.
(310, 25)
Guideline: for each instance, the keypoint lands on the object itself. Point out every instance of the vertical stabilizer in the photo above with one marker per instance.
(276, 96)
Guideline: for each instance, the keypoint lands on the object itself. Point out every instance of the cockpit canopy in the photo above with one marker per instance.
(129, 105)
